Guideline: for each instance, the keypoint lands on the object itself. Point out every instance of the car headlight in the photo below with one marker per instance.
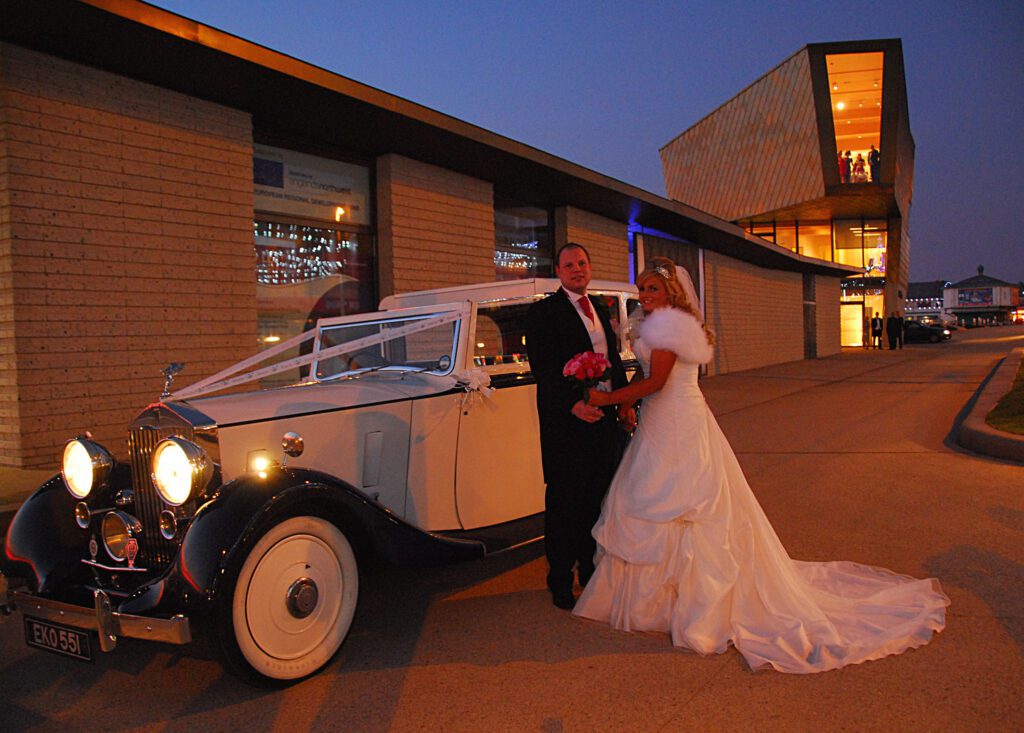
(181, 469)
(945, 332)
(85, 466)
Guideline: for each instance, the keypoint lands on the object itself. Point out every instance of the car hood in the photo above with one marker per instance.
(368, 389)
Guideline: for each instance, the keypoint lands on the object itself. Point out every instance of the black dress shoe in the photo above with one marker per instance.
(563, 599)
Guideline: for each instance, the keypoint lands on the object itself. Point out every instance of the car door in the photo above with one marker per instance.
(498, 474)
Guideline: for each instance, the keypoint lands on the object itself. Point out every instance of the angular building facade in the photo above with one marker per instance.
(816, 156)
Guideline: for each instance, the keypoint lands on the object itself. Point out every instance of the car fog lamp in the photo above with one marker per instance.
(118, 528)
(85, 466)
(82, 515)
(181, 469)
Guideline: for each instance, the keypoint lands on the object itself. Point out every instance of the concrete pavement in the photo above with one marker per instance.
(852, 457)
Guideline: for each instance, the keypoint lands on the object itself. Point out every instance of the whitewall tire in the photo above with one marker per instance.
(294, 598)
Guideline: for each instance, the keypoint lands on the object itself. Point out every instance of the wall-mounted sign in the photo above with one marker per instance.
(296, 184)
(974, 297)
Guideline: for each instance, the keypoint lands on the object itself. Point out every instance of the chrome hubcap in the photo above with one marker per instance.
(302, 598)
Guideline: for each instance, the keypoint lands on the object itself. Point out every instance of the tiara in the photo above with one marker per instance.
(664, 272)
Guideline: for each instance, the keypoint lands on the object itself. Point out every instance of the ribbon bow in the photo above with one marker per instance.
(477, 384)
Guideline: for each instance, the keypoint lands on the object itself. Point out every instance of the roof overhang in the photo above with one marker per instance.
(290, 99)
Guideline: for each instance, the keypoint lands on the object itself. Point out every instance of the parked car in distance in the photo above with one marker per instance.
(408, 434)
(919, 332)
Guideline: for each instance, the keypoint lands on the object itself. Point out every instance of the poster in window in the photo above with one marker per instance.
(308, 186)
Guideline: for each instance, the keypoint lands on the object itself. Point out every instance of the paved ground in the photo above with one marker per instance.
(851, 459)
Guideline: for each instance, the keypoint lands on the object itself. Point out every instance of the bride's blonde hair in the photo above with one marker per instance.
(664, 269)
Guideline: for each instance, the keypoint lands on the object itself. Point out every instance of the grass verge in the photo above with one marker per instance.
(1008, 415)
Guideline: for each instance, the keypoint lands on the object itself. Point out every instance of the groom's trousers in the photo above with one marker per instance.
(572, 507)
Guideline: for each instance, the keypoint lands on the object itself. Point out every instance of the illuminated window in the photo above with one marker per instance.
(816, 240)
(855, 85)
(313, 241)
(522, 241)
(785, 236)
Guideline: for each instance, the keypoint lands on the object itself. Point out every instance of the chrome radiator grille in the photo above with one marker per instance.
(154, 551)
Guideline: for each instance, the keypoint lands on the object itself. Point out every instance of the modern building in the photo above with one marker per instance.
(981, 300)
(925, 301)
(816, 156)
(172, 193)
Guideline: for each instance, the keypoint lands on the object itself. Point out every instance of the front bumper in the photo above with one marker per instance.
(100, 618)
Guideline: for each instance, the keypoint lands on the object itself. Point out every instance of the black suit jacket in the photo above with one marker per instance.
(555, 334)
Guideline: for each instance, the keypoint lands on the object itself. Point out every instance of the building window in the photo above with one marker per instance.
(313, 245)
(855, 84)
(849, 241)
(785, 236)
(816, 239)
(523, 243)
(862, 243)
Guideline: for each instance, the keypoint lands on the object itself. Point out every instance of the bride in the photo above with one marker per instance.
(684, 547)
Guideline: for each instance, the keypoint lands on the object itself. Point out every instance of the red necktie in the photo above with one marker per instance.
(585, 307)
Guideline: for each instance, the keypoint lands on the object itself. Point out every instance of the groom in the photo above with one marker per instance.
(580, 444)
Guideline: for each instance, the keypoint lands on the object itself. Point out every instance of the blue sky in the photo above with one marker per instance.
(605, 84)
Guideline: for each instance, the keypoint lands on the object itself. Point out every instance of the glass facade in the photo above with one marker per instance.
(313, 245)
(855, 86)
(861, 243)
(523, 243)
(814, 239)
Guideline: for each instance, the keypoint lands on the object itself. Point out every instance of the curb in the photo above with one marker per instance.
(977, 435)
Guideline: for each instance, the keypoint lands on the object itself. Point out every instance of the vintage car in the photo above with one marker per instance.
(408, 434)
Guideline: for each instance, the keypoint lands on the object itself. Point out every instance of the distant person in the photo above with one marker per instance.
(859, 174)
(900, 326)
(874, 159)
(892, 325)
(876, 331)
(844, 167)
(848, 162)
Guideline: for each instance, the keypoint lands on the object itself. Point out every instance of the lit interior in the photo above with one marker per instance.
(855, 84)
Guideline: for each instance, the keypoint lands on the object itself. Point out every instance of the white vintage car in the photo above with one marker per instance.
(409, 433)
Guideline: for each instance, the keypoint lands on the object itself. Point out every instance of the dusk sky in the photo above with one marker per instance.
(606, 84)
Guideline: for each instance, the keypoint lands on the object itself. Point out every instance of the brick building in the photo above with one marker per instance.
(169, 192)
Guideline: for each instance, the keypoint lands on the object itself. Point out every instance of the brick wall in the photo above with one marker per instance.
(756, 313)
(827, 317)
(125, 243)
(435, 227)
(606, 241)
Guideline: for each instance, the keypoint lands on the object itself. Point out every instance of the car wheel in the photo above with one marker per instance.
(293, 601)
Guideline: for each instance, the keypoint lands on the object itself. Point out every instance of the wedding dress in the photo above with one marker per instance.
(684, 546)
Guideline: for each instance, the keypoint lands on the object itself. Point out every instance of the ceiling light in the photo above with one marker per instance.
(841, 106)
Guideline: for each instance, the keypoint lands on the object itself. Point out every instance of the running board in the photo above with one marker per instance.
(502, 537)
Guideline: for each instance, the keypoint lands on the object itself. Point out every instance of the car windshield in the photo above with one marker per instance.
(422, 342)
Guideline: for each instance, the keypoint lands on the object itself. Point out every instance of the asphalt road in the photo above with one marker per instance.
(851, 460)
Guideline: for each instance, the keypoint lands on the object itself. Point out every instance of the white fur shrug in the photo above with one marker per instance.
(677, 331)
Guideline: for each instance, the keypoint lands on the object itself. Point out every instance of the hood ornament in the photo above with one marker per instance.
(169, 371)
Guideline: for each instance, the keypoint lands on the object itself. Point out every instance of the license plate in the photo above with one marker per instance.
(58, 639)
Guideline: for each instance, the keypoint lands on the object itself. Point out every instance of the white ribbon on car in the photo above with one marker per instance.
(477, 384)
(224, 379)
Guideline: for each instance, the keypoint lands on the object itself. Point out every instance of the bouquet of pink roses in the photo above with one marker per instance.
(587, 369)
